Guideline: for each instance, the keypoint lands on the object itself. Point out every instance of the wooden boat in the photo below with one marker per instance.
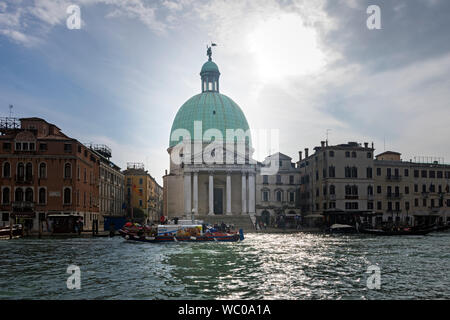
(179, 233)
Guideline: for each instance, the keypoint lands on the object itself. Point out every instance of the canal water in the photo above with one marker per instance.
(263, 266)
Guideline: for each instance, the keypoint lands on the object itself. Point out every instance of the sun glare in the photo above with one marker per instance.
(283, 46)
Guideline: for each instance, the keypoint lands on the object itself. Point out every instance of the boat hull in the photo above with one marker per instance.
(204, 238)
(396, 233)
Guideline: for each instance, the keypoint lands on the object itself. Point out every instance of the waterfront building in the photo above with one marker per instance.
(210, 181)
(111, 187)
(142, 191)
(48, 180)
(342, 182)
(278, 194)
(409, 191)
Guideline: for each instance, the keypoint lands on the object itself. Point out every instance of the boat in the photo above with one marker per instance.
(341, 228)
(399, 232)
(5, 232)
(178, 233)
(442, 228)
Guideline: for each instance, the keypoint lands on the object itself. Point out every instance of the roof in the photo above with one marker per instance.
(214, 110)
(209, 66)
(389, 152)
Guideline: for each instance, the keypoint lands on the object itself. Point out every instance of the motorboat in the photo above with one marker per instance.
(178, 233)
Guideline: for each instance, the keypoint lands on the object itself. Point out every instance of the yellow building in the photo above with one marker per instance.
(142, 191)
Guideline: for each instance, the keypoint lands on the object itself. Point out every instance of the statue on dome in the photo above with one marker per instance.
(209, 51)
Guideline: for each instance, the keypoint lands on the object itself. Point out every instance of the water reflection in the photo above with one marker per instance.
(298, 266)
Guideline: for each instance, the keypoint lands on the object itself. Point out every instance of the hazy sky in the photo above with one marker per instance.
(298, 66)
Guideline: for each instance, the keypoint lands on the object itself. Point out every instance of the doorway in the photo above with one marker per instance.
(218, 200)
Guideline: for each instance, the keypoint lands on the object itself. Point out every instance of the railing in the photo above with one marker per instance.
(23, 204)
(23, 179)
(351, 197)
(394, 196)
(393, 178)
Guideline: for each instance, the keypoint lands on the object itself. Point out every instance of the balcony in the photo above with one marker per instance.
(351, 197)
(23, 204)
(393, 178)
(23, 179)
(425, 194)
(394, 196)
(332, 197)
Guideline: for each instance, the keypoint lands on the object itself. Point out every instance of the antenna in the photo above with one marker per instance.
(10, 110)
(328, 130)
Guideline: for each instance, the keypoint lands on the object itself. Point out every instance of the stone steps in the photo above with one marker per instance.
(239, 221)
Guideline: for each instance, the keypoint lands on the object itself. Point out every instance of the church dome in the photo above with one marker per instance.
(213, 109)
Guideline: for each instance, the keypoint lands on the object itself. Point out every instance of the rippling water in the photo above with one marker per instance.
(264, 266)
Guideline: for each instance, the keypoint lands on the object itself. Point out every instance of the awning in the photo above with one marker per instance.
(313, 216)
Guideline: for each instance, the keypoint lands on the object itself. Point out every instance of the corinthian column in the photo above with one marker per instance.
(244, 193)
(187, 193)
(211, 194)
(228, 193)
(196, 192)
(251, 193)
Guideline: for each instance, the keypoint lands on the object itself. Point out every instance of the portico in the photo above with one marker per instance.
(220, 186)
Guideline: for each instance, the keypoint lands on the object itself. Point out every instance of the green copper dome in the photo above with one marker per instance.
(214, 110)
(209, 66)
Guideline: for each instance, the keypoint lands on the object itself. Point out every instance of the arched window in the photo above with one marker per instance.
(20, 170)
(67, 170)
(43, 170)
(5, 195)
(29, 195)
(29, 171)
(332, 189)
(6, 170)
(67, 195)
(42, 196)
(279, 195)
(18, 196)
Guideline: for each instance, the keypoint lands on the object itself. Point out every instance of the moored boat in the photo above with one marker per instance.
(399, 232)
(341, 228)
(178, 233)
(5, 232)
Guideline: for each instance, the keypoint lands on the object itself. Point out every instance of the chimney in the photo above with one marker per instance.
(372, 144)
(166, 172)
(366, 145)
(300, 155)
(306, 153)
(322, 143)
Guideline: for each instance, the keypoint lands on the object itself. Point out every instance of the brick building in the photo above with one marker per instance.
(48, 180)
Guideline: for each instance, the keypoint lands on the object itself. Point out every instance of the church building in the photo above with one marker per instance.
(212, 172)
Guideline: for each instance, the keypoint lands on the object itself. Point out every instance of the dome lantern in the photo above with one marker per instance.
(210, 73)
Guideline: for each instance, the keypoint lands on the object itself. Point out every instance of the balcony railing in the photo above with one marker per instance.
(394, 196)
(393, 178)
(351, 197)
(23, 179)
(23, 204)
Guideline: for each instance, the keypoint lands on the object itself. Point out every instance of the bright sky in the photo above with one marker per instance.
(298, 66)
